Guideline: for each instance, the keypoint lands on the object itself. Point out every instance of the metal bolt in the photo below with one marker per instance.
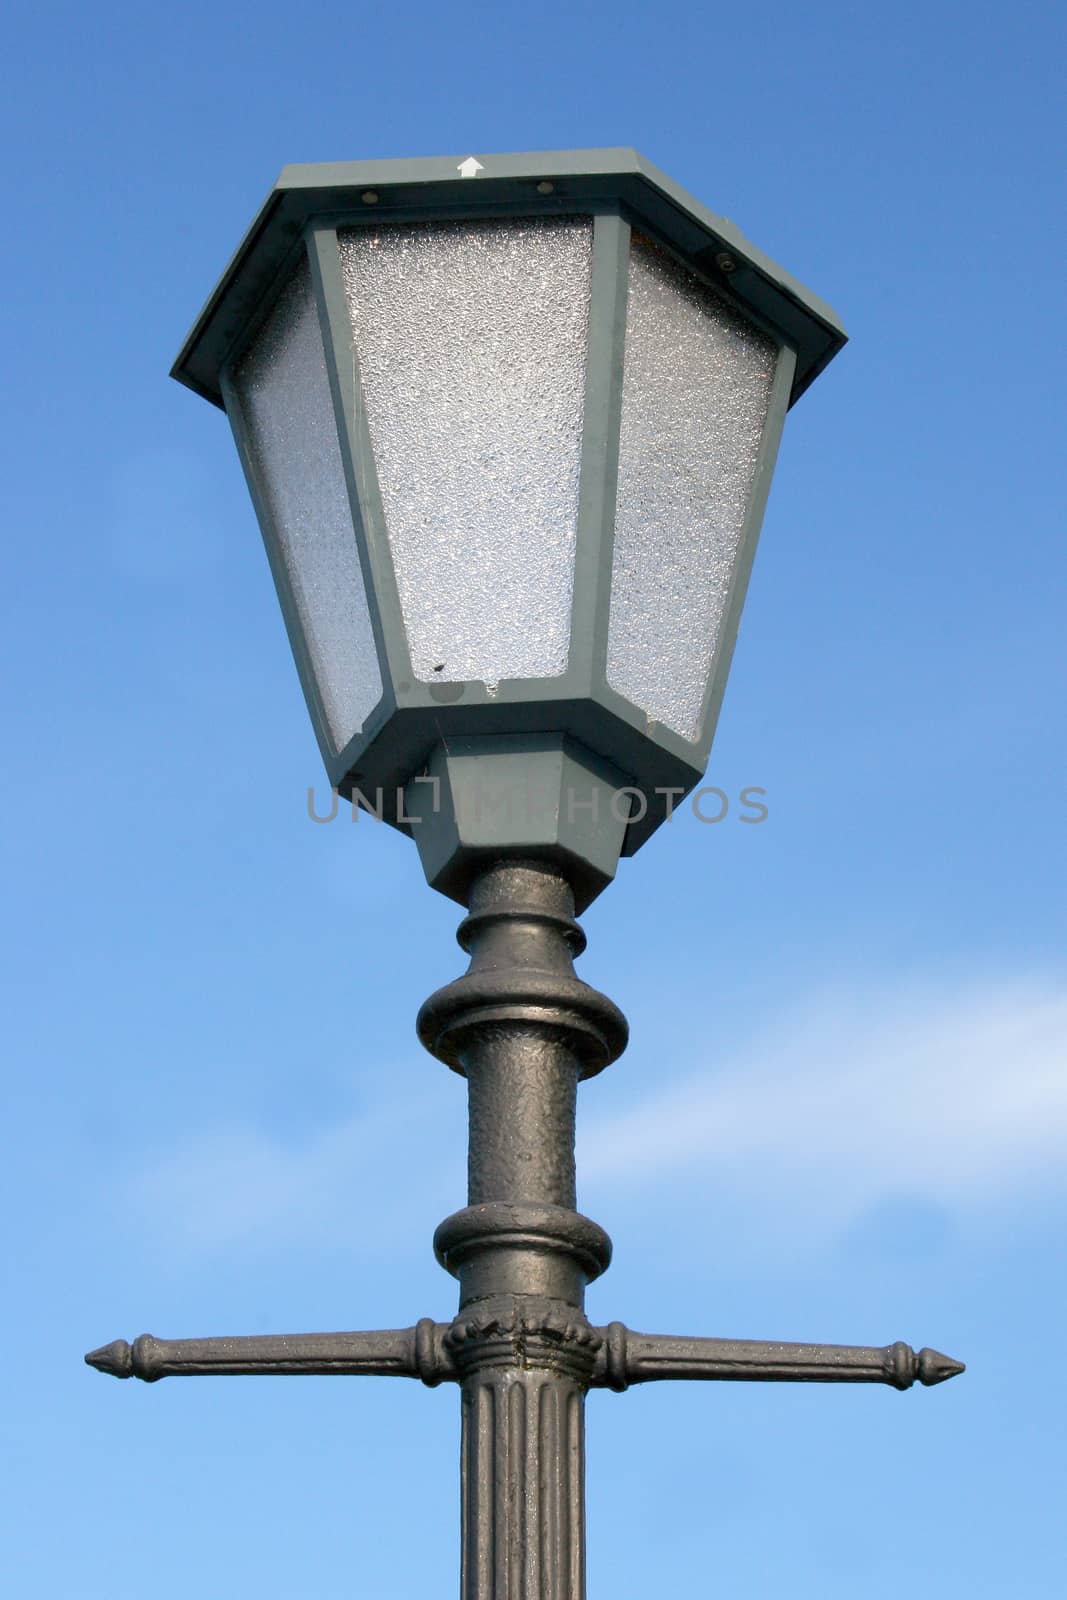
(544, 187)
(725, 261)
(369, 197)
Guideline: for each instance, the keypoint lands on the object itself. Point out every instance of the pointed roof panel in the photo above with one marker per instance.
(545, 182)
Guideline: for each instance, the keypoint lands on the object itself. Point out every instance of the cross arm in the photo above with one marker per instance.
(417, 1352)
(626, 1357)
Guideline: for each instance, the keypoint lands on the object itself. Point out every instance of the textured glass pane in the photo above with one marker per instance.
(471, 339)
(287, 409)
(696, 387)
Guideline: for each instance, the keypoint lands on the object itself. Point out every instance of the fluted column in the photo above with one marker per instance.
(523, 1486)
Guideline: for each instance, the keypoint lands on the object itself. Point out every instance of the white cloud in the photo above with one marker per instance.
(953, 1096)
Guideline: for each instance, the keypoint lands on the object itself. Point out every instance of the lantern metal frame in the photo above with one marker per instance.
(620, 192)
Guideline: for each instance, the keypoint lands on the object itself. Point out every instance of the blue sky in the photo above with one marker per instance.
(843, 1114)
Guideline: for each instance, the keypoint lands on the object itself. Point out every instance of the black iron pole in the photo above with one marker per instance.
(523, 1030)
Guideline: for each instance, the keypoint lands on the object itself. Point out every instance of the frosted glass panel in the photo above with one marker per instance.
(471, 339)
(287, 409)
(696, 388)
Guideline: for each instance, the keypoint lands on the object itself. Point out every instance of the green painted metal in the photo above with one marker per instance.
(416, 721)
(512, 796)
(600, 449)
(580, 179)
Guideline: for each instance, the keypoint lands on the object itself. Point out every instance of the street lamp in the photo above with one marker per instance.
(509, 426)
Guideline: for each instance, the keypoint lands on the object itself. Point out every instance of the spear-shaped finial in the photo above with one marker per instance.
(935, 1368)
(115, 1358)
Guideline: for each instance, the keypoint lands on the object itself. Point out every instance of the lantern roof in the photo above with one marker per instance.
(554, 182)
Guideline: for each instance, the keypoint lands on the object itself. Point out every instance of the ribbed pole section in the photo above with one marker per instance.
(523, 1484)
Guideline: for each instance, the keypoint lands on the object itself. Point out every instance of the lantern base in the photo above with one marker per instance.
(521, 796)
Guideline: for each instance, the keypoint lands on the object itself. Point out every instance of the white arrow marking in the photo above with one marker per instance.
(470, 168)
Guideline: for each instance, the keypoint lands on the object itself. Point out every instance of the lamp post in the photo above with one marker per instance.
(509, 425)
